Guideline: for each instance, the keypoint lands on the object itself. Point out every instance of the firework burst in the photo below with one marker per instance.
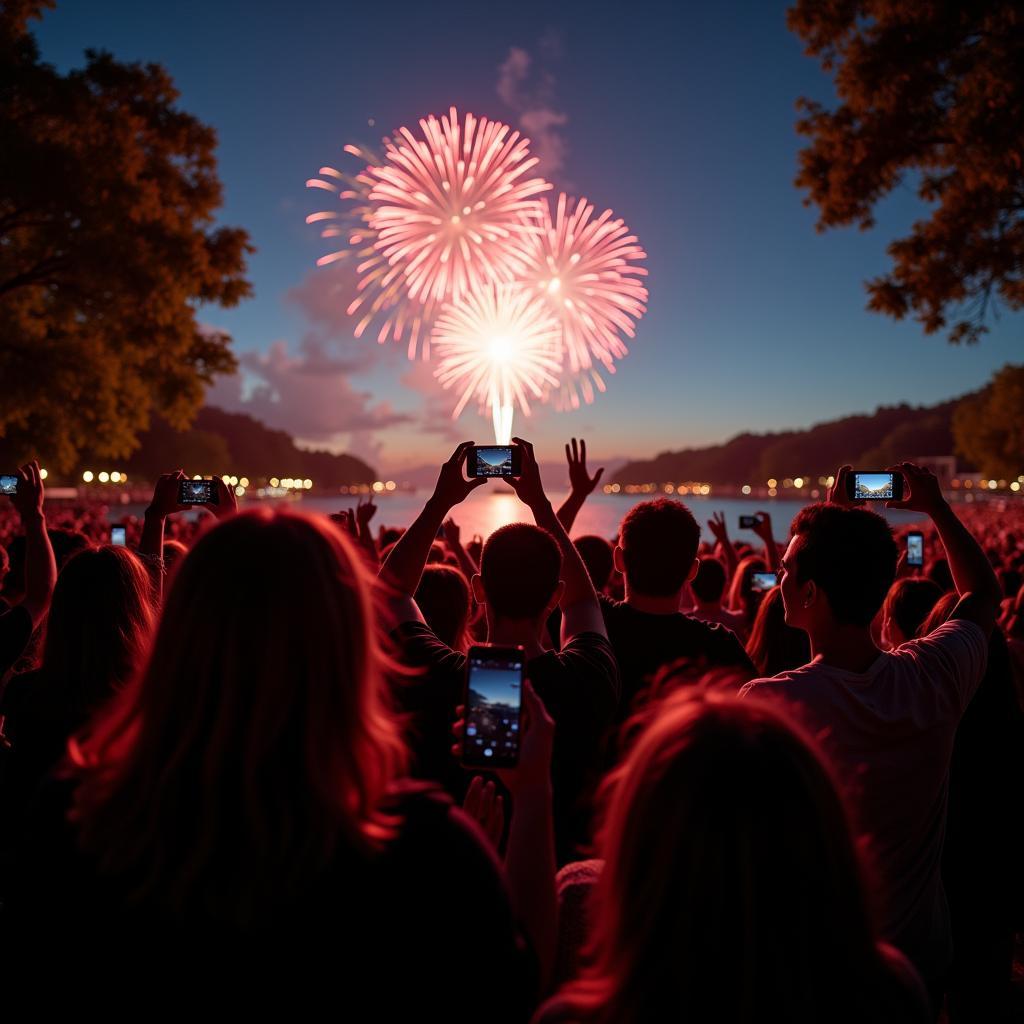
(501, 346)
(381, 293)
(585, 269)
(453, 211)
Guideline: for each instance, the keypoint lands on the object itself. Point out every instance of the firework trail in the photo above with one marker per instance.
(499, 345)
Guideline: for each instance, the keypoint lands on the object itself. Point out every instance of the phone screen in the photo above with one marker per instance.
(117, 536)
(494, 694)
(8, 484)
(915, 549)
(762, 581)
(748, 522)
(197, 492)
(495, 460)
(872, 486)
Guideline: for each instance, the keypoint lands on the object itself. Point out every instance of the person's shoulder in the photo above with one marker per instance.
(780, 685)
(952, 631)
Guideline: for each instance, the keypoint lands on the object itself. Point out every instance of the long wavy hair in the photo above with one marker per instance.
(774, 646)
(732, 889)
(742, 595)
(98, 628)
(257, 740)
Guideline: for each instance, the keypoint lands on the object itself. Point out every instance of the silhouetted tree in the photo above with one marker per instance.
(107, 198)
(989, 427)
(930, 95)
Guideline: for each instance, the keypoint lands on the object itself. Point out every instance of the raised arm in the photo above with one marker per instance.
(763, 528)
(581, 612)
(581, 484)
(976, 582)
(40, 565)
(453, 538)
(717, 525)
(403, 567)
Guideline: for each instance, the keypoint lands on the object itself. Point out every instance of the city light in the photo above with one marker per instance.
(104, 477)
(745, 488)
(307, 484)
(390, 485)
(87, 476)
(274, 482)
(773, 483)
(244, 481)
(43, 474)
(772, 492)
(239, 490)
(1015, 486)
(798, 482)
(115, 477)
(378, 486)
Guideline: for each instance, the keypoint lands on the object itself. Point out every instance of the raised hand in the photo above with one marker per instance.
(486, 806)
(763, 527)
(579, 480)
(28, 498)
(716, 524)
(837, 494)
(925, 493)
(452, 533)
(528, 484)
(227, 503)
(452, 487)
(165, 495)
(365, 511)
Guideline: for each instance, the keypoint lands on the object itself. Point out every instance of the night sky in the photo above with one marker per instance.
(679, 117)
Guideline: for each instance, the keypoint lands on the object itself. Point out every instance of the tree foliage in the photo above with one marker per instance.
(107, 244)
(930, 94)
(989, 427)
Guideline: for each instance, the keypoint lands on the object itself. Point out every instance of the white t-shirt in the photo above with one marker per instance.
(889, 733)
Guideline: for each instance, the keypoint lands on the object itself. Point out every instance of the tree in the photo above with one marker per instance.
(988, 427)
(107, 245)
(930, 94)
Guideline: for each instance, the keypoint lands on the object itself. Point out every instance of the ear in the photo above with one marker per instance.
(477, 583)
(617, 560)
(693, 570)
(810, 594)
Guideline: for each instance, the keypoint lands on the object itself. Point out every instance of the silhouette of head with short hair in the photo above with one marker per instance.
(658, 540)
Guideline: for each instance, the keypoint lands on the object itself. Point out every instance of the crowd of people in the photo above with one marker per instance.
(232, 760)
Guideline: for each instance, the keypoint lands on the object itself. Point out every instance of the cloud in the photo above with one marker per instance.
(307, 393)
(529, 91)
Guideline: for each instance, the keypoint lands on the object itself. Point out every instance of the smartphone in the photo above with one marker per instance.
(760, 582)
(915, 548)
(494, 460)
(862, 485)
(494, 701)
(748, 522)
(8, 484)
(117, 535)
(197, 492)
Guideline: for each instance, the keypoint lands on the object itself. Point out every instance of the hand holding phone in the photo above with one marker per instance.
(874, 485)
(761, 582)
(118, 535)
(493, 705)
(198, 492)
(9, 483)
(915, 548)
(748, 522)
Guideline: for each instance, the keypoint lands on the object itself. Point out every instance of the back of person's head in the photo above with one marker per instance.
(596, 553)
(850, 554)
(437, 554)
(940, 613)
(709, 582)
(908, 604)
(743, 597)
(444, 598)
(98, 628)
(703, 911)
(66, 544)
(520, 567)
(939, 572)
(659, 541)
(258, 739)
(775, 646)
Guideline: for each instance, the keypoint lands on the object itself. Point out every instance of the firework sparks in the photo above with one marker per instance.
(453, 211)
(501, 346)
(381, 289)
(585, 270)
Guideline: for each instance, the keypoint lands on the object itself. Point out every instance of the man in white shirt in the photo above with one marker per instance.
(887, 720)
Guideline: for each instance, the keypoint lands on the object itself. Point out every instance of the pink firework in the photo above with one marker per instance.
(585, 270)
(381, 292)
(501, 346)
(453, 210)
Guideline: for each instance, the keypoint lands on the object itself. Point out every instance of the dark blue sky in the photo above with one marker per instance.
(680, 117)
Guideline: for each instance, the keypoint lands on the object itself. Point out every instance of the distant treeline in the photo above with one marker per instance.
(891, 434)
(233, 443)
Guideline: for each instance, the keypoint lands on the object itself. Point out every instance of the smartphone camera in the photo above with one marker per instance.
(869, 486)
(494, 460)
(915, 549)
(761, 582)
(748, 522)
(8, 484)
(494, 700)
(118, 535)
(197, 492)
